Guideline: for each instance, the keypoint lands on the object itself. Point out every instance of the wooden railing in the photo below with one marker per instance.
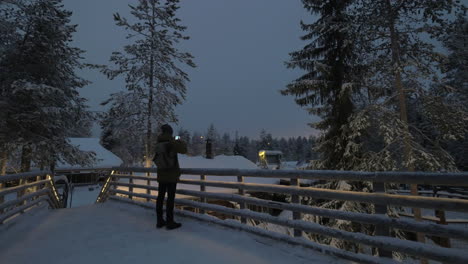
(117, 188)
(23, 191)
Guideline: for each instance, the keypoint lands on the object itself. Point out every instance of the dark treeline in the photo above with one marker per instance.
(293, 148)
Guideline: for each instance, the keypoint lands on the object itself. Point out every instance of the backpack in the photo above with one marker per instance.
(164, 157)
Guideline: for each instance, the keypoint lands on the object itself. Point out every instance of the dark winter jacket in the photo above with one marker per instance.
(171, 175)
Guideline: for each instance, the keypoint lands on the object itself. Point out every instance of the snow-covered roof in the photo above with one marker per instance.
(218, 162)
(104, 158)
(270, 152)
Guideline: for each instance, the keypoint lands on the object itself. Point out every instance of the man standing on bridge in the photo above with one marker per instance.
(168, 171)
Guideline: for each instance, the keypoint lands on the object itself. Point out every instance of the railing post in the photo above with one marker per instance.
(20, 193)
(148, 182)
(381, 230)
(2, 199)
(105, 193)
(105, 188)
(240, 179)
(130, 188)
(53, 194)
(2, 185)
(296, 199)
(420, 237)
(202, 189)
(444, 241)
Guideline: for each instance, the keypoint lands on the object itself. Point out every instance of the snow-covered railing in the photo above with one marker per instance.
(23, 191)
(116, 188)
(436, 194)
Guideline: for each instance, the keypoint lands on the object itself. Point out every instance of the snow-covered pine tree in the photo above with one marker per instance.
(213, 135)
(237, 149)
(8, 37)
(456, 65)
(250, 147)
(400, 113)
(197, 148)
(184, 135)
(328, 89)
(402, 66)
(456, 82)
(226, 144)
(244, 148)
(120, 133)
(37, 76)
(283, 146)
(151, 65)
(265, 142)
(329, 82)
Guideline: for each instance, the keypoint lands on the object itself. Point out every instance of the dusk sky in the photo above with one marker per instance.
(240, 48)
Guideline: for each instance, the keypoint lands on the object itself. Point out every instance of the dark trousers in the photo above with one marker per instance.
(170, 188)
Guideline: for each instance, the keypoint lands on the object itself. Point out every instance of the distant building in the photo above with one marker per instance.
(270, 159)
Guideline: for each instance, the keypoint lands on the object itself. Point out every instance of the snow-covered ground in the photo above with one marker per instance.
(289, 165)
(119, 233)
(84, 195)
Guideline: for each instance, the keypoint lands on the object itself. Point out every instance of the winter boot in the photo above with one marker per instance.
(173, 225)
(160, 223)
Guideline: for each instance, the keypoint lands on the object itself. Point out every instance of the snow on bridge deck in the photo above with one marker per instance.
(119, 233)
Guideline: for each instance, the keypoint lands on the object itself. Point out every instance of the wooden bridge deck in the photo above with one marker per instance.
(119, 233)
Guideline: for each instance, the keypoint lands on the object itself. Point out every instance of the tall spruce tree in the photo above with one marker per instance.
(266, 141)
(38, 81)
(455, 68)
(151, 65)
(197, 147)
(226, 147)
(332, 88)
(327, 89)
(329, 82)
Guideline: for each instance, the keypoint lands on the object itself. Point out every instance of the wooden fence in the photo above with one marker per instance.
(123, 185)
(23, 191)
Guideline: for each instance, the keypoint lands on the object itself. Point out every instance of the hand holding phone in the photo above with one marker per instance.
(177, 138)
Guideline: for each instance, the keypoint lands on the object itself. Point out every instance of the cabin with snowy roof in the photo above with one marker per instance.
(103, 159)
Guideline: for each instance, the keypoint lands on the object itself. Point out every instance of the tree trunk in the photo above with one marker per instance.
(3, 162)
(149, 130)
(3, 165)
(26, 158)
(25, 166)
(148, 152)
(395, 46)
